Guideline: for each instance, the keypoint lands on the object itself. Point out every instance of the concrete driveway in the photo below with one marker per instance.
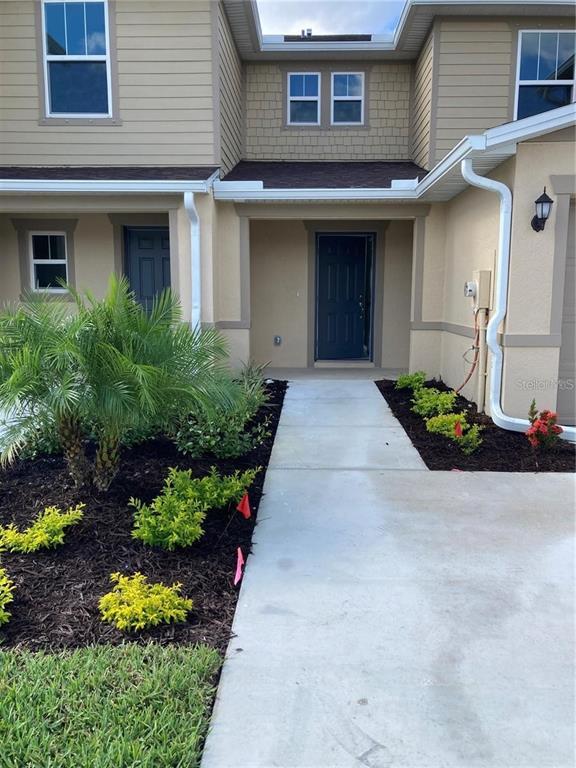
(392, 616)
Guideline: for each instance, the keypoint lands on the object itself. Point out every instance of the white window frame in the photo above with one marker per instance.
(290, 98)
(77, 57)
(34, 261)
(334, 99)
(538, 82)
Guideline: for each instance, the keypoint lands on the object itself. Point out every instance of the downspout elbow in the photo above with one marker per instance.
(502, 276)
(195, 262)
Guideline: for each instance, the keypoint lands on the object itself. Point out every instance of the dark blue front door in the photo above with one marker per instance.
(147, 262)
(344, 293)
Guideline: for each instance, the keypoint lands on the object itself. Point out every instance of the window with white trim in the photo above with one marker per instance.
(76, 59)
(48, 261)
(545, 71)
(347, 98)
(303, 98)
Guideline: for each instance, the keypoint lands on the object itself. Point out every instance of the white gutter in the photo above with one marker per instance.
(246, 191)
(501, 302)
(109, 186)
(195, 262)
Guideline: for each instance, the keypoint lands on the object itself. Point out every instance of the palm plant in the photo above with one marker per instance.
(112, 365)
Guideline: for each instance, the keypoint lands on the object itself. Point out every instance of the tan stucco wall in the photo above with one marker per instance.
(9, 262)
(532, 372)
(384, 137)
(532, 254)
(426, 352)
(93, 253)
(279, 290)
(227, 266)
(462, 236)
(396, 294)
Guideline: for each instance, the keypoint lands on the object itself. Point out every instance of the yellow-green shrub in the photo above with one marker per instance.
(45, 532)
(411, 381)
(445, 424)
(429, 401)
(134, 604)
(174, 518)
(6, 596)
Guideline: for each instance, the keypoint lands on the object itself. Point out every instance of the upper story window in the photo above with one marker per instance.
(545, 71)
(48, 261)
(347, 98)
(76, 59)
(303, 98)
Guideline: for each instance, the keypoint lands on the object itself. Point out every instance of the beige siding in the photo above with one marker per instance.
(231, 92)
(164, 88)
(422, 105)
(386, 135)
(474, 77)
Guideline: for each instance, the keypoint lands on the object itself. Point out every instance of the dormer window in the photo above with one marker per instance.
(347, 98)
(303, 98)
(545, 71)
(76, 59)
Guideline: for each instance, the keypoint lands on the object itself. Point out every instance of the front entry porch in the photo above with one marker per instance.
(330, 293)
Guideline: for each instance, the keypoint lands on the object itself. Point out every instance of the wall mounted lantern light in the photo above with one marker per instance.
(543, 207)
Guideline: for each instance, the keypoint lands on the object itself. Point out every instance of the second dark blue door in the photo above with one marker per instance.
(148, 262)
(343, 315)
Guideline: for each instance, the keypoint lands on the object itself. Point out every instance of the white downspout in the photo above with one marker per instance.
(195, 262)
(501, 302)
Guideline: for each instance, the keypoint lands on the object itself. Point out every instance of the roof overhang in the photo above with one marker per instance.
(444, 181)
(406, 42)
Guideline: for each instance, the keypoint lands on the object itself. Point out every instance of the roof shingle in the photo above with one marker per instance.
(333, 175)
(107, 173)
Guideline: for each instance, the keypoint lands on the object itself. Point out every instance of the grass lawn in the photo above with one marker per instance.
(128, 706)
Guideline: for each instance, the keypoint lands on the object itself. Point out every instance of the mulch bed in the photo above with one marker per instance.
(57, 591)
(501, 450)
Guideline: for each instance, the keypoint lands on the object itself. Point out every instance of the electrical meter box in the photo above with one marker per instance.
(483, 298)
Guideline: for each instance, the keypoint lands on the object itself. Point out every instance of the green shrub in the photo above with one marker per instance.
(6, 596)
(46, 531)
(429, 401)
(411, 381)
(224, 431)
(133, 604)
(175, 517)
(110, 366)
(446, 425)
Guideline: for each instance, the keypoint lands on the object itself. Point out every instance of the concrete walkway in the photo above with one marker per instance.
(392, 616)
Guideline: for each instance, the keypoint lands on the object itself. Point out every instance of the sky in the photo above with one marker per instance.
(325, 17)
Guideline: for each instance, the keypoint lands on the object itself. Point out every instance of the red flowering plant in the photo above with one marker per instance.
(543, 431)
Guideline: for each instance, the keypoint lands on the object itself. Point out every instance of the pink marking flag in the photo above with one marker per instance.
(244, 507)
(239, 564)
